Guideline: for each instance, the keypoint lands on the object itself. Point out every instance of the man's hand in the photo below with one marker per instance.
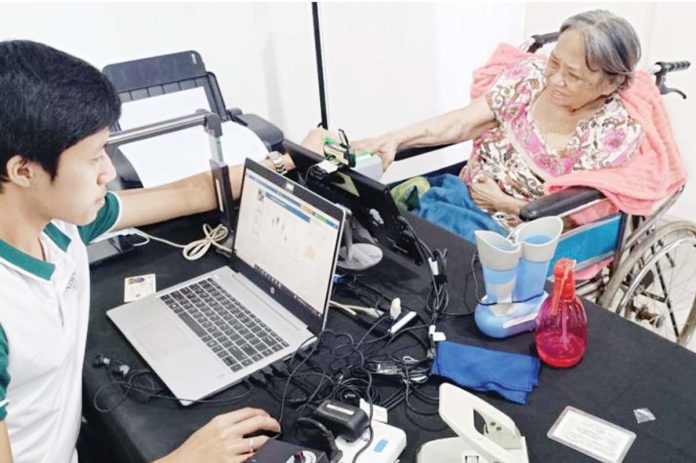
(384, 147)
(223, 439)
(314, 140)
(488, 196)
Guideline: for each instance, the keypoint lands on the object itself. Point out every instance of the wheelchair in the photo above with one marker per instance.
(648, 279)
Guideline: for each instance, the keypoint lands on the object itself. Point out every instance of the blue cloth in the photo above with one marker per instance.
(448, 204)
(511, 375)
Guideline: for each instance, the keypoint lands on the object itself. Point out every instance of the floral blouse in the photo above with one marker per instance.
(515, 154)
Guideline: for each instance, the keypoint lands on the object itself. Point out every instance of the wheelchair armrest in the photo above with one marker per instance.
(539, 40)
(560, 203)
(416, 151)
(269, 134)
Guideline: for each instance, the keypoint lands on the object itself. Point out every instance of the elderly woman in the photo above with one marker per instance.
(542, 118)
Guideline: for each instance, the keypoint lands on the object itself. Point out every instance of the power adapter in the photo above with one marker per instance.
(342, 419)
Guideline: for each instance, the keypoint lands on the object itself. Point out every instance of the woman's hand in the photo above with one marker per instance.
(222, 439)
(385, 147)
(488, 196)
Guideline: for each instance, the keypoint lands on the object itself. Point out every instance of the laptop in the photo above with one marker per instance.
(214, 330)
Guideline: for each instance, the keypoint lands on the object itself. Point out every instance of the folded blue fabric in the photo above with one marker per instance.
(448, 204)
(511, 375)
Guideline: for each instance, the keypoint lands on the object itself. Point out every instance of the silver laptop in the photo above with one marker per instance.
(212, 331)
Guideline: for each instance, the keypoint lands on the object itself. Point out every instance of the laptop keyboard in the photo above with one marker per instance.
(231, 331)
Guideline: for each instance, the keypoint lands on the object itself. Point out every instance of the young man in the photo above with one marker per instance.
(55, 111)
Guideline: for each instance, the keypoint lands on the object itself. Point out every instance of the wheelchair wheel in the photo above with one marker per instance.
(655, 286)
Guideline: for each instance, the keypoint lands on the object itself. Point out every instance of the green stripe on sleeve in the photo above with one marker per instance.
(4, 373)
(106, 218)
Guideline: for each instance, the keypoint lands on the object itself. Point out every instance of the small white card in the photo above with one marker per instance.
(595, 437)
(137, 287)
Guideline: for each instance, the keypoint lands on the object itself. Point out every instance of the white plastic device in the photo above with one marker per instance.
(369, 165)
(501, 441)
(387, 444)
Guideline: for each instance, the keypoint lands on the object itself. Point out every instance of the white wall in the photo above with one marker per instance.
(262, 54)
(392, 64)
(668, 33)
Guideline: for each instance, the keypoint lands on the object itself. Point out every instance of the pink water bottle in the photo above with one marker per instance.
(561, 329)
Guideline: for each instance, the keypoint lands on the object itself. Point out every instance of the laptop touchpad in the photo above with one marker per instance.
(162, 338)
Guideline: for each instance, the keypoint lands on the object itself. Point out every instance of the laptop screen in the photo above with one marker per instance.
(289, 237)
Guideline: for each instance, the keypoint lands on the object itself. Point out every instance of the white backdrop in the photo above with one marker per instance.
(392, 64)
(261, 53)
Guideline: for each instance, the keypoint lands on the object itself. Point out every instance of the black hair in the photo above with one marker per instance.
(49, 101)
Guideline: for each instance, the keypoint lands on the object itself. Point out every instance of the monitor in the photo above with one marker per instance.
(281, 228)
(369, 201)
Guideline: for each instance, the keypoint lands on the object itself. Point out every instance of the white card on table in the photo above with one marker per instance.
(137, 287)
(593, 436)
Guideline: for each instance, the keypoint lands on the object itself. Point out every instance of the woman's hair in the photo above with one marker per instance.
(611, 43)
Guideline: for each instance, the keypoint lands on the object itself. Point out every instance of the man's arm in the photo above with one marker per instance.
(5, 450)
(192, 195)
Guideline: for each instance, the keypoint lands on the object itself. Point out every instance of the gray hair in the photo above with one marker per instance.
(611, 43)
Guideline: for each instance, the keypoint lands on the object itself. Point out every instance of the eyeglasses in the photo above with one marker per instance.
(571, 78)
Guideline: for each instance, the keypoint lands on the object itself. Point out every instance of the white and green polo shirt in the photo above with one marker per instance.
(44, 312)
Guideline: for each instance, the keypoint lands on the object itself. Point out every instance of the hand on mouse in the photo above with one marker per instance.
(224, 438)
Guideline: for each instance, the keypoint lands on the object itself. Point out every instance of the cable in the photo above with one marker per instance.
(345, 381)
(369, 420)
(410, 406)
(355, 287)
(197, 249)
(320, 175)
(328, 436)
(344, 370)
(292, 373)
(129, 384)
(438, 298)
(371, 329)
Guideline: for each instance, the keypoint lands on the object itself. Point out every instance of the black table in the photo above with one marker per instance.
(625, 367)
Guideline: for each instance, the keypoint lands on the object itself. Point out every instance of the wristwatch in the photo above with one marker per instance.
(277, 160)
